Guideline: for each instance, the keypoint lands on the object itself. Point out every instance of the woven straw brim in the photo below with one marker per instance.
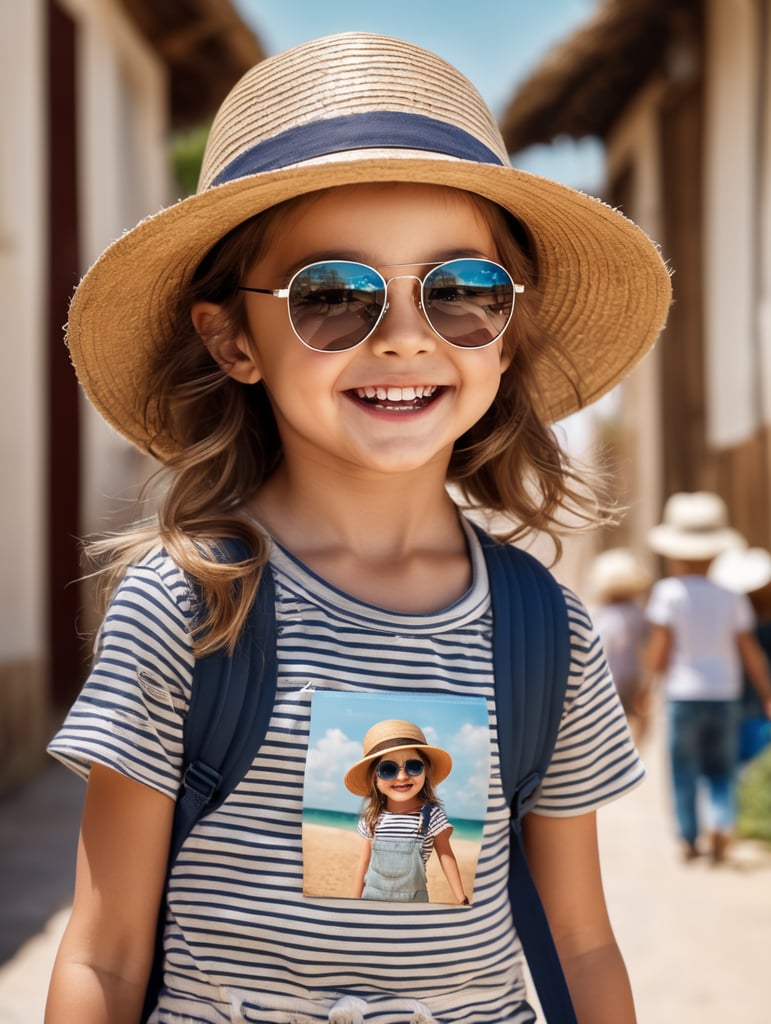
(603, 291)
(357, 778)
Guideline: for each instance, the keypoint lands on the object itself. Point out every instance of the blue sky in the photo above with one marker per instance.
(495, 43)
(339, 720)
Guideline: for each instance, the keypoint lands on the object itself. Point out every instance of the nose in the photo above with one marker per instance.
(404, 330)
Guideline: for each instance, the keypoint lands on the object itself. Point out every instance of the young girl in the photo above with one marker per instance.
(314, 345)
(403, 820)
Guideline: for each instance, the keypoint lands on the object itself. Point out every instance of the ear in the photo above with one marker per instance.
(231, 352)
(506, 358)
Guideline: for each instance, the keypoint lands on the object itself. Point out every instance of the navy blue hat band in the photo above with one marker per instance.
(378, 129)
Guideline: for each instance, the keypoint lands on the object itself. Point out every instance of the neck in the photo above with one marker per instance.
(396, 543)
(690, 567)
(401, 808)
(374, 519)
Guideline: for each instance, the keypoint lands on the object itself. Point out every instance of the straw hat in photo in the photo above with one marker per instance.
(388, 737)
(743, 570)
(361, 108)
(694, 528)
(616, 574)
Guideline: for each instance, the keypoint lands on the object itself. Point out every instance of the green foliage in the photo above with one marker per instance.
(754, 821)
(186, 151)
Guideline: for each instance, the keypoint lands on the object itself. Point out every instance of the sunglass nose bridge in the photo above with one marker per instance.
(417, 293)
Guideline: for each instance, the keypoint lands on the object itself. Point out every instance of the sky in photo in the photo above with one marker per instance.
(340, 720)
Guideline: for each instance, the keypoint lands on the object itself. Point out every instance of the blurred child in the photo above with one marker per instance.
(748, 571)
(618, 582)
(701, 636)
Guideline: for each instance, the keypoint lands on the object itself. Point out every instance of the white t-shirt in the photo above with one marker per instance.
(704, 619)
(242, 942)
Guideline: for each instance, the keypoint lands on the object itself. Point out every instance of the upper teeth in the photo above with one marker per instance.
(397, 394)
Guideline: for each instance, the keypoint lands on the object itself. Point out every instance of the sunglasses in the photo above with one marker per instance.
(388, 770)
(335, 305)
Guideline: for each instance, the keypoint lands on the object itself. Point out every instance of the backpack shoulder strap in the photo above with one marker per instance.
(531, 662)
(425, 818)
(231, 702)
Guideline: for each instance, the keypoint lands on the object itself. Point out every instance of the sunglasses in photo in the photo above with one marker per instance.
(388, 770)
(335, 305)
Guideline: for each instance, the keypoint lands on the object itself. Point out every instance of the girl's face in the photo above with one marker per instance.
(328, 405)
(404, 790)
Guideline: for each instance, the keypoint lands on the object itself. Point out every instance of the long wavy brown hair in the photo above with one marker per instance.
(510, 462)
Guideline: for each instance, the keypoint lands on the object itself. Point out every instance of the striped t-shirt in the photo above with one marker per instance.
(390, 825)
(243, 944)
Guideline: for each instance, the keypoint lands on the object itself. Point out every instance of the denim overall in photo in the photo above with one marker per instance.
(396, 871)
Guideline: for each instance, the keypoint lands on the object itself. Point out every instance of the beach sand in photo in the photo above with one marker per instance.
(330, 856)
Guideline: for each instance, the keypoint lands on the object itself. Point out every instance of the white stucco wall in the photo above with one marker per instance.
(123, 176)
(23, 304)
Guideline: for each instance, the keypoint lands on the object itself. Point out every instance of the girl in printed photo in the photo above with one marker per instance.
(403, 821)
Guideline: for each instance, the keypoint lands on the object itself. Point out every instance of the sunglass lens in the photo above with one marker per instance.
(335, 304)
(388, 770)
(469, 302)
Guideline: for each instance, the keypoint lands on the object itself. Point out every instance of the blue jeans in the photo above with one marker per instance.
(704, 746)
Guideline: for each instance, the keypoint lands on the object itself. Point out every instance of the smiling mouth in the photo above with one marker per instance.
(395, 399)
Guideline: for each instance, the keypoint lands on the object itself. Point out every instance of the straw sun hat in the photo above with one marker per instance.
(357, 108)
(388, 737)
(694, 527)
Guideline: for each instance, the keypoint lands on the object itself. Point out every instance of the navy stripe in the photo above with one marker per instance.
(377, 129)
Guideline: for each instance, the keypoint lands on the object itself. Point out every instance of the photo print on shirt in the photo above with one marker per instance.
(392, 853)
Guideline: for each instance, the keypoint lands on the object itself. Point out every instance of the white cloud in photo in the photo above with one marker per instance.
(327, 762)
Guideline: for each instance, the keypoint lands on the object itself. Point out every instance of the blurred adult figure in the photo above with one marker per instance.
(748, 571)
(618, 582)
(701, 636)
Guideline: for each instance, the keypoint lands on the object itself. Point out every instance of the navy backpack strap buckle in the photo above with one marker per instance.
(201, 781)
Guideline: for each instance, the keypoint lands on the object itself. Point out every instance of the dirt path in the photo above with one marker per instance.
(696, 939)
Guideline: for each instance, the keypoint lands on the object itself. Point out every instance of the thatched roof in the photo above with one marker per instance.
(205, 44)
(584, 84)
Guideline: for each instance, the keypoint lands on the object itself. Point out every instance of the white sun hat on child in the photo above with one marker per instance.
(617, 573)
(743, 570)
(694, 527)
(361, 108)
